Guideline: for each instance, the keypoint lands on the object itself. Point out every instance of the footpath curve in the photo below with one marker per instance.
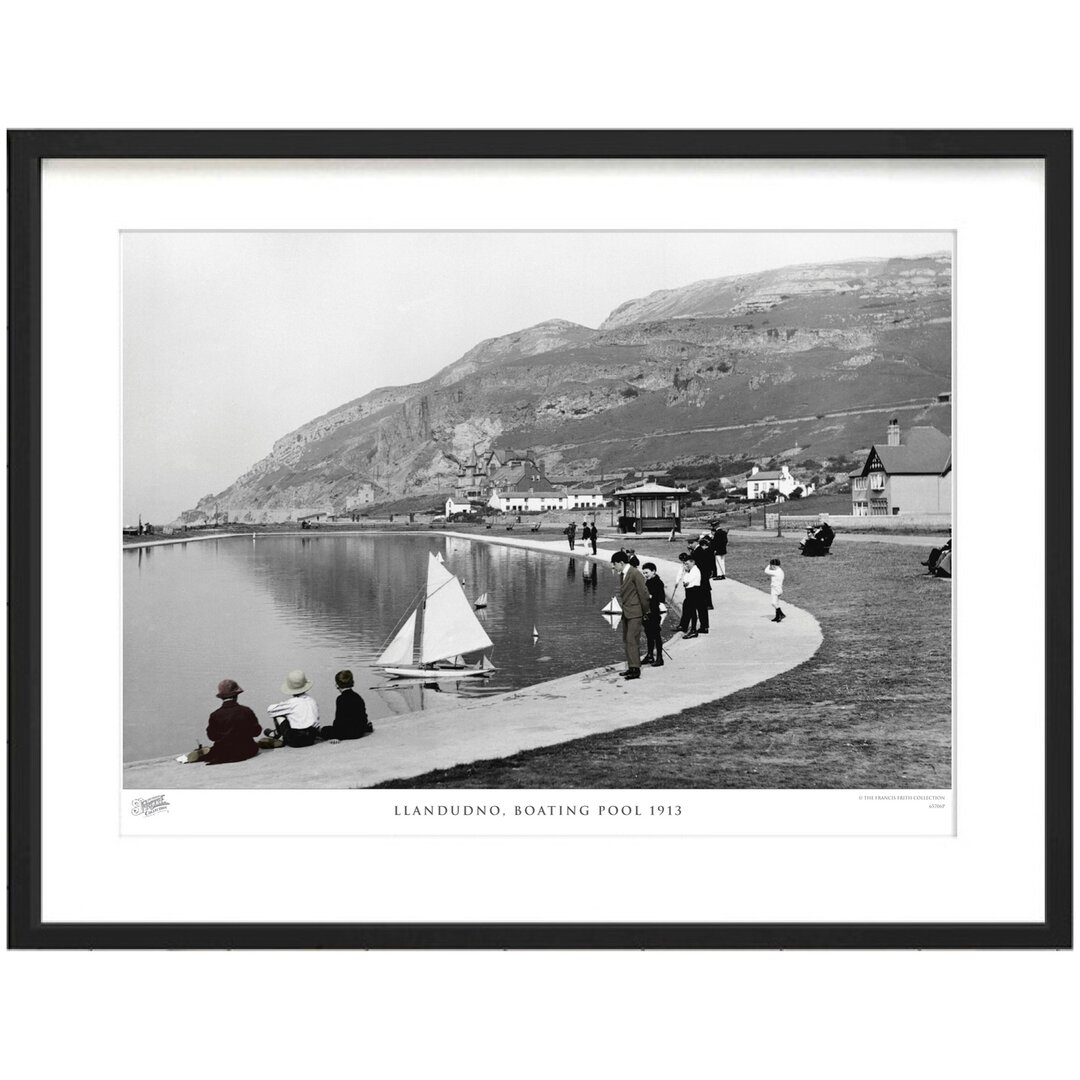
(743, 648)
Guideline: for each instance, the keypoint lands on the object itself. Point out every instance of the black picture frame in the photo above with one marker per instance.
(26, 152)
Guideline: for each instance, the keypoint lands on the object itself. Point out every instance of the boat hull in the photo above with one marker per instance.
(436, 673)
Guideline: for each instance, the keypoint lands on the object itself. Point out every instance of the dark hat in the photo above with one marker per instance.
(343, 679)
(684, 556)
(228, 688)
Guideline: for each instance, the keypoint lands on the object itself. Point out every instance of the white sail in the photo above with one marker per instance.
(614, 608)
(481, 600)
(438, 556)
(400, 650)
(450, 626)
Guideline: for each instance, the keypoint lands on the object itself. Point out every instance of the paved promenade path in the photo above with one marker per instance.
(744, 647)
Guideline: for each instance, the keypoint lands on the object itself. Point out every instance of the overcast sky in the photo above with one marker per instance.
(232, 340)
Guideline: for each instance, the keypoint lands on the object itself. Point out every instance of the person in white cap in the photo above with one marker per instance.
(296, 718)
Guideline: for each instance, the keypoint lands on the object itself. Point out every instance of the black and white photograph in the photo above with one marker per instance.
(254, 257)
(497, 510)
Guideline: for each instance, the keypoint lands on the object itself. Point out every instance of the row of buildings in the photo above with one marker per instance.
(514, 483)
(908, 473)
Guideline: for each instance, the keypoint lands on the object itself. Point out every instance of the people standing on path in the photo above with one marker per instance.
(232, 727)
(776, 588)
(571, 532)
(634, 600)
(350, 713)
(701, 553)
(592, 537)
(719, 546)
(297, 718)
(654, 646)
(690, 580)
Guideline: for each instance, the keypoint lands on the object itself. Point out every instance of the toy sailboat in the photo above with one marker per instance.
(481, 600)
(614, 608)
(448, 629)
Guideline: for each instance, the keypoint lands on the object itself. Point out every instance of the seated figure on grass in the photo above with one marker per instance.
(232, 727)
(350, 714)
(296, 720)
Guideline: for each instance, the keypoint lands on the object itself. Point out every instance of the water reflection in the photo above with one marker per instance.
(201, 612)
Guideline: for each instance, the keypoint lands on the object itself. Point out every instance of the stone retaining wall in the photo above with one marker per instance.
(896, 523)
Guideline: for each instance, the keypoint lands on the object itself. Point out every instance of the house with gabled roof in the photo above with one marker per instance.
(909, 474)
(762, 481)
(483, 473)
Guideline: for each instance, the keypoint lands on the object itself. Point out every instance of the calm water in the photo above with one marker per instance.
(253, 610)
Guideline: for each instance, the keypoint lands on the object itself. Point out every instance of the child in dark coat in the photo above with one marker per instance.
(654, 646)
(350, 713)
(232, 728)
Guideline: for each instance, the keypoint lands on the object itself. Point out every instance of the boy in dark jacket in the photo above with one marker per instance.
(350, 713)
(654, 646)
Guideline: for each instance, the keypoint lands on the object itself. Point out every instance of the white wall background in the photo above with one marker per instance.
(560, 64)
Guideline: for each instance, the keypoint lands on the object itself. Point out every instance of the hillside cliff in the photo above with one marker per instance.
(759, 364)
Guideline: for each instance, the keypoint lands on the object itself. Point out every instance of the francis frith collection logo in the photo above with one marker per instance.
(148, 807)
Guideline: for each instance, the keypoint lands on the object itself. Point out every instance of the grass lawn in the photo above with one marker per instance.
(871, 709)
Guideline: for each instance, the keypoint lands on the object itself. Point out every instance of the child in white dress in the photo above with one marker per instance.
(777, 587)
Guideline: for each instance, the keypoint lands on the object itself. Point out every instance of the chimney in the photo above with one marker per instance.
(894, 432)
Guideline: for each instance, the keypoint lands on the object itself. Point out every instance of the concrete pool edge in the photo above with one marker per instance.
(744, 648)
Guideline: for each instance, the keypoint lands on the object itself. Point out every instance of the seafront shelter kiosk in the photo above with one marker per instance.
(651, 507)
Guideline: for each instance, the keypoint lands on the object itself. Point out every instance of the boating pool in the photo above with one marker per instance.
(252, 610)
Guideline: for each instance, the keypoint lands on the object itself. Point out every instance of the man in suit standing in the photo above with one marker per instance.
(634, 600)
(719, 546)
(702, 555)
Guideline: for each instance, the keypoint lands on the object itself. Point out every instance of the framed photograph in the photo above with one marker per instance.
(492, 539)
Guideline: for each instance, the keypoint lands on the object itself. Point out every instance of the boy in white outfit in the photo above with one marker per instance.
(777, 587)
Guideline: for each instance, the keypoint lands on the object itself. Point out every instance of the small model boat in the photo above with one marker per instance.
(480, 601)
(448, 629)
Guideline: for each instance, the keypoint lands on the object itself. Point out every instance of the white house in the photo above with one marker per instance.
(454, 507)
(531, 500)
(761, 481)
(531, 490)
(585, 498)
